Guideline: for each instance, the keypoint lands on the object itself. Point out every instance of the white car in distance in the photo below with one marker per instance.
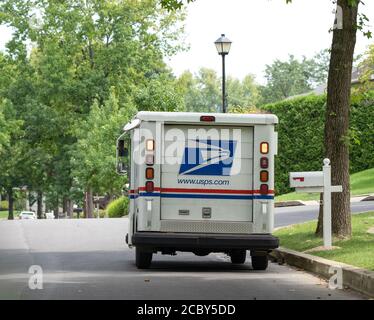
(49, 215)
(27, 215)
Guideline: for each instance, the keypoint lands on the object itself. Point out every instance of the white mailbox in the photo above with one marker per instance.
(307, 181)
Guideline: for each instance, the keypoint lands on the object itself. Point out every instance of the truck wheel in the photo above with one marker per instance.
(260, 262)
(238, 256)
(143, 259)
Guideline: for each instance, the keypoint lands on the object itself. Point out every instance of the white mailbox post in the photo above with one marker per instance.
(318, 181)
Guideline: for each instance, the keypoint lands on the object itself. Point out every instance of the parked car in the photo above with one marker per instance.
(27, 215)
(49, 215)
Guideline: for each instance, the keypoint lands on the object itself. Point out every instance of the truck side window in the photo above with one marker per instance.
(122, 156)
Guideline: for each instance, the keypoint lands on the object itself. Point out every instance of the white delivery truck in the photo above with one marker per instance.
(200, 183)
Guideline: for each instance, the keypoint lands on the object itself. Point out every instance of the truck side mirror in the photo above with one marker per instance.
(122, 154)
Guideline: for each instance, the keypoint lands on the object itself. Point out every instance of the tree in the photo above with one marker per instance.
(80, 50)
(4, 133)
(160, 94)
(336, 134)
(11, 134)
(94, 156)
(187, 86)
(320, 67)
(174, 4)
(366, 67)
(293, 77)
(243, 93)
(11, 157)
(202, 92)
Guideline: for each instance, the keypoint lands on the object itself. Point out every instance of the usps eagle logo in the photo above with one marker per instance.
(208, 157)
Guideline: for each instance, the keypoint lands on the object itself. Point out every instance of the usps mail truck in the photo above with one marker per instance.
(200, 183)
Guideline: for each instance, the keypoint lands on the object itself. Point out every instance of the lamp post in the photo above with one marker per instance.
(223, 46)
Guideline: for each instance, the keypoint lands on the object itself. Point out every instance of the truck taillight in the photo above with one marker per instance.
(264, 163)
(149, 173)
(264, 176)
(150, 145)
(207, 118)
(264, 147)
(264, 189)
(149, 186)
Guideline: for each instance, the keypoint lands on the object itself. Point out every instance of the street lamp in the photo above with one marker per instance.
(223, 46)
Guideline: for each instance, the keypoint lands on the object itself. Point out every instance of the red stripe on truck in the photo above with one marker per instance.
(188, 190)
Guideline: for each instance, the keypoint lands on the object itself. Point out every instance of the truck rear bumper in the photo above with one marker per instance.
(159, 240)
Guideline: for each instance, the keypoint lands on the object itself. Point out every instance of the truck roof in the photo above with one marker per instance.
(220, 118)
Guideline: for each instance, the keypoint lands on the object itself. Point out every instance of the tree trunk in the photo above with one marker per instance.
(56, 208)
(10, 204)
(84, 206)
(89, 203)
(28, 202)
(337, 116)
(65, 205)
(70, 208)
(40, 205)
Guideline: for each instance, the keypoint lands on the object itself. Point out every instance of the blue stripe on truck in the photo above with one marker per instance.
(216, 196)
(203, 196)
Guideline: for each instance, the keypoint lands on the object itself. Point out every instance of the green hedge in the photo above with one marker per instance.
(118, 208)
(300, 131)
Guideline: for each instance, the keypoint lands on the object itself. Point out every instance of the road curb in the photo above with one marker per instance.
(288, 204)
(368, 198)
(294, 203)
(355, 278)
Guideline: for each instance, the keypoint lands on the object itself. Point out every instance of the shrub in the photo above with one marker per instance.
(102, 213)
(3, 205)
(118, 208)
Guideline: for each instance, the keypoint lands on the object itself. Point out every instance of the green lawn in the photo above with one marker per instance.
(358, 251)
(4, 214)
(361, 183)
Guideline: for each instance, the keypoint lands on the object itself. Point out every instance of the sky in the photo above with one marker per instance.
(261, 31)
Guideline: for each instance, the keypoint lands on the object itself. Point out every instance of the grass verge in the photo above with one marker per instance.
(4, 214)
(357, 251)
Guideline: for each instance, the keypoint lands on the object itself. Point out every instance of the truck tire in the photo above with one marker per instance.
(260, 262)
(143, 259)
(238, 256)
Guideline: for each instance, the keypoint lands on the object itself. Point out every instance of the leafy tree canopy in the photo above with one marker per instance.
(202, 92)
(293, 76)
(59, 74)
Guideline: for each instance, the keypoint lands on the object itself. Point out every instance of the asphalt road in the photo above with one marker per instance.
(87, 259)
(290, 215)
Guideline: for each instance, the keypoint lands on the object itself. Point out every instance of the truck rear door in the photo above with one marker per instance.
(205, 177)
